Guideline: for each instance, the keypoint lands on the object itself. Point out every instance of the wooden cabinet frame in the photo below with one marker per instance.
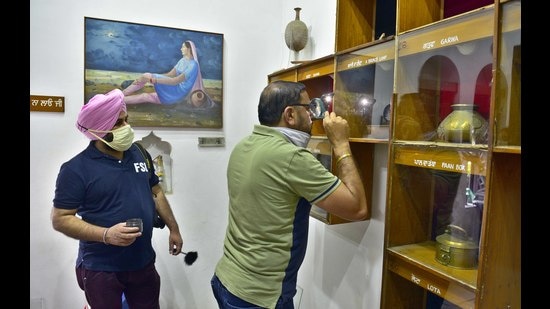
(411, 274)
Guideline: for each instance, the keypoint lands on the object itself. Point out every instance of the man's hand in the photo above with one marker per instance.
(122, 235)
(337, 129)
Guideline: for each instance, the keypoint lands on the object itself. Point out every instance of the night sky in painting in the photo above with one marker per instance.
(129, 47)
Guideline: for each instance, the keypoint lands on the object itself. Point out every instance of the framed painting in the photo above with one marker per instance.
(170, 77)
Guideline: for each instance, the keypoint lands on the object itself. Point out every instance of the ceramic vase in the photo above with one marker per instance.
(296, 33)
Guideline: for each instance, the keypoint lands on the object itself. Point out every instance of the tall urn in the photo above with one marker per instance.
(296, 33)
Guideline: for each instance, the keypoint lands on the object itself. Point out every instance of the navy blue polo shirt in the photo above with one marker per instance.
(105, 191)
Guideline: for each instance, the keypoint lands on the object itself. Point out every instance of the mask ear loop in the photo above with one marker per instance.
(92, 132)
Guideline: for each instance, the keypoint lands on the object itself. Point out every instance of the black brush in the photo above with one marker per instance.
(190, 257)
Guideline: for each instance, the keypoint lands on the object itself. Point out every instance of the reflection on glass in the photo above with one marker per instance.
(328, 98)
(436, 74)
(364, 87)
(413, 121)
(508, 97)
(466, 48)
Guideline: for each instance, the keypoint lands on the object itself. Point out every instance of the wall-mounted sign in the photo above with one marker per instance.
(42, 103)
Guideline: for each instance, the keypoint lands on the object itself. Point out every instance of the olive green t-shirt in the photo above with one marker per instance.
(272, 184)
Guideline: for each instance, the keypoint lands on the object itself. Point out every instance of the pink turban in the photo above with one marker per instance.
(101, 113)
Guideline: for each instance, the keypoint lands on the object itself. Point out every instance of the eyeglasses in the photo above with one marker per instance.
(307, 106)
(316, 107)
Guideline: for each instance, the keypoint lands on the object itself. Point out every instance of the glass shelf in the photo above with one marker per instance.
(363, 89)
(441, 65)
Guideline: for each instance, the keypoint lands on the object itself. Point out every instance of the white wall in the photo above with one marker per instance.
(343, 264)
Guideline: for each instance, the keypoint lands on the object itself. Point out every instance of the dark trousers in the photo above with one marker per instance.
(104, 290)
(226, 300)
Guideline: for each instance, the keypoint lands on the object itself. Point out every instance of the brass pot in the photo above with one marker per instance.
(463, 125)
(455, 249)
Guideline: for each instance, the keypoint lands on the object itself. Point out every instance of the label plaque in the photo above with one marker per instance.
(41, 103)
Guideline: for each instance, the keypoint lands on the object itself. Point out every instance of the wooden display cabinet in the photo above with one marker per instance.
(434, 183)
(359, 22)
(500, 277)
(417, 13)
(428, 192)
(286, 74)
(446, 52)
(362, 95)
(363, 89)
(318, 76)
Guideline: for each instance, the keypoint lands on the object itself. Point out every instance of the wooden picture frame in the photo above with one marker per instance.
(142, 60)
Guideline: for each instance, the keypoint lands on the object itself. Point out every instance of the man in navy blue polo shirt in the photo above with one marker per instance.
(96, 192)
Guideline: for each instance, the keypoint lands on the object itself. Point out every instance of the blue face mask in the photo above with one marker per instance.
(297, 137)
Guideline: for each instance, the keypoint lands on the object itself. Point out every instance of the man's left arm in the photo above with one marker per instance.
(165, 212)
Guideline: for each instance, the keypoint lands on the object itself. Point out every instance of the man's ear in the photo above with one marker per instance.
(289, 116)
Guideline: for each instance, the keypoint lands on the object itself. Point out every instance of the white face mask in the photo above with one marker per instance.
(123, 137)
